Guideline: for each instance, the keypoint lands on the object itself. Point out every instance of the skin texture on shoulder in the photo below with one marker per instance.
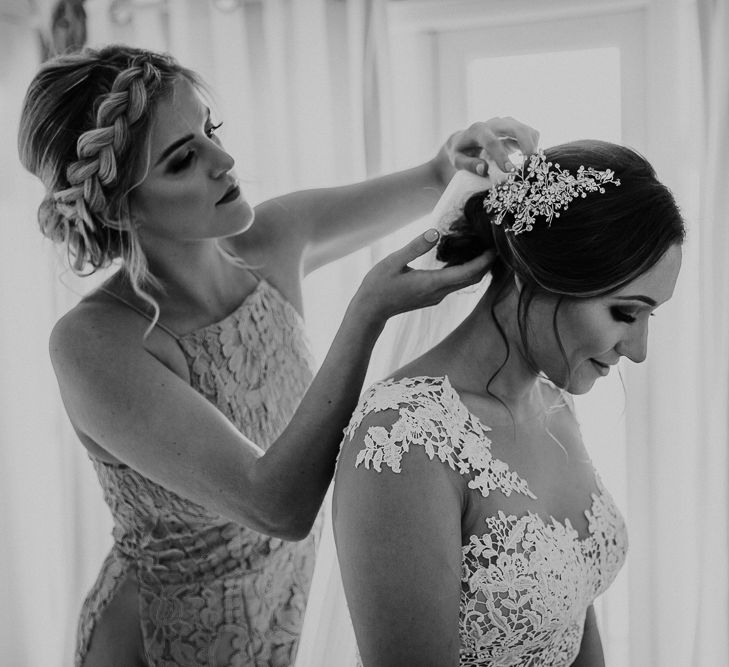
(403, 530)
(140, 410)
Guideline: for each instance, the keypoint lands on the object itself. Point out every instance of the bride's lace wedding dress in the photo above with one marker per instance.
(526, 581)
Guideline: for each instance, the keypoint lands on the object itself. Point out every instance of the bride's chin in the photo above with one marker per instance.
(579, 386)
(571, 383)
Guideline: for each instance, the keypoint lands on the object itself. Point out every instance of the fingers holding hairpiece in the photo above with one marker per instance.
(493, 140)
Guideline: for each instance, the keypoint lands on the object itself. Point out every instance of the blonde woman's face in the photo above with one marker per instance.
(189, 191)
(597, 332)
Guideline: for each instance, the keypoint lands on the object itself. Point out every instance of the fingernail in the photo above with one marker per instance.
(480, 167)
(431, 236)
(510, 167)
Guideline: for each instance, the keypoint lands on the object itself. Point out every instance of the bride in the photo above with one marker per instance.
(471, 527)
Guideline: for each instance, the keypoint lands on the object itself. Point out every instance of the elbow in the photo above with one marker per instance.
(295, 534)
(273, 509)
(292, 528)
(277, 510)
(288, 525)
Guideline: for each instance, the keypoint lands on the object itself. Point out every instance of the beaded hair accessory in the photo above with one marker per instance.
(541, 188)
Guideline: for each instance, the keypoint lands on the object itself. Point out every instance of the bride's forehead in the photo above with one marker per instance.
(658, 282)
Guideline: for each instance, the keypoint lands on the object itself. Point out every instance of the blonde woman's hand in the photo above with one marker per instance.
(391, 286)
(491, 141)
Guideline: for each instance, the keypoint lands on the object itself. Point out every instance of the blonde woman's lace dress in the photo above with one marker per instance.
(211, 592)
(526, 582)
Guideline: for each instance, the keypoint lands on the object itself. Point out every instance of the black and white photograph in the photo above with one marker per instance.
(364, 333)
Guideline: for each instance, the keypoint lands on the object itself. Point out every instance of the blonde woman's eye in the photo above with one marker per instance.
(182, 163)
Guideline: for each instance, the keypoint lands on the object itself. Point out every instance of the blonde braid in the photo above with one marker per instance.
(84, 203)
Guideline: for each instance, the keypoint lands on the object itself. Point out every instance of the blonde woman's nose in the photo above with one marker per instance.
(222, 162)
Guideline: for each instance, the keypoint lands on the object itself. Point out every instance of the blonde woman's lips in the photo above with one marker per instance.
(231, 194)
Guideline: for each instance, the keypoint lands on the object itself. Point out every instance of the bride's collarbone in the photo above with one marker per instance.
(547, 452)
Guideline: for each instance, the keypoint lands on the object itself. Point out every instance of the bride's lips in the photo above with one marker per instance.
(603, 369)
(232, 193)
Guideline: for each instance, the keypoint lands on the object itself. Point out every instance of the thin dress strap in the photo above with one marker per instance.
(256, 275)
(142, 313)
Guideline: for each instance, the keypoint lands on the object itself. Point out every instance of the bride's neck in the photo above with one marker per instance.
(485, 354)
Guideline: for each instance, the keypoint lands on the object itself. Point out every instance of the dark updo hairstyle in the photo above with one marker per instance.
(84, 132)
(598, 244)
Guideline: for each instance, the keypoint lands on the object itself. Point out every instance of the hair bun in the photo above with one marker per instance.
(53, 224)
(469, 236)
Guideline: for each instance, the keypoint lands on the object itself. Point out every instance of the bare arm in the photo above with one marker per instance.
(398, 539)
(334, 222)
(337, 221)
(131, 405)
(591, 654)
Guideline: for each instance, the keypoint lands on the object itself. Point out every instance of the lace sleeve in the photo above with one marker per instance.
(428, 413)
(398, 537)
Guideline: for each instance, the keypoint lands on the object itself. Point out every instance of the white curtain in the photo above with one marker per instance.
(677, 402)
(711, 644)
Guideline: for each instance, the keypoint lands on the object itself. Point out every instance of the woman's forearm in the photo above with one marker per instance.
(341, 220)
(292, 477)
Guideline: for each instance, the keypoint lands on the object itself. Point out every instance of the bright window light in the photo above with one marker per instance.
(568, 95)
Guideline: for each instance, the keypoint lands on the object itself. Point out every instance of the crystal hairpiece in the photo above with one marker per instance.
(542, 188)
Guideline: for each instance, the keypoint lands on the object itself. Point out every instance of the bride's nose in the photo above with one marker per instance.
(635, 345)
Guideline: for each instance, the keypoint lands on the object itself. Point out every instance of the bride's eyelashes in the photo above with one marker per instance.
(621, 315)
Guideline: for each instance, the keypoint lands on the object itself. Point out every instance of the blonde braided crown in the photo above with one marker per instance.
(84, 204)
(84, 130)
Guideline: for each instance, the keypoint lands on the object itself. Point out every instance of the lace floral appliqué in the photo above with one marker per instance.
(431, 415)
(526, 583)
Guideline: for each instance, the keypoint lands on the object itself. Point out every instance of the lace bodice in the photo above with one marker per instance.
(526, 582)
(212, 592)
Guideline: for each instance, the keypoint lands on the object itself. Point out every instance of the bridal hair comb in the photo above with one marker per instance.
(541, 188)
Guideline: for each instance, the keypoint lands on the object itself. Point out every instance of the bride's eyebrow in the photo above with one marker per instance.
(638, 297)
